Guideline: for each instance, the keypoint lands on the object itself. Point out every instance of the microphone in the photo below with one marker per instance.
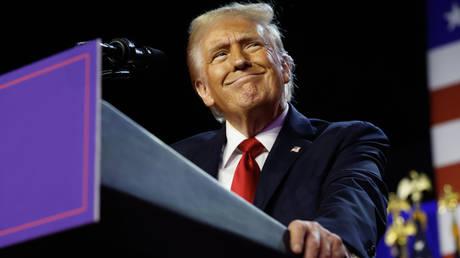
(121, 52)
(121, 59)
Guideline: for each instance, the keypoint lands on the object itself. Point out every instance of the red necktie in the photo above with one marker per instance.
(247, 172)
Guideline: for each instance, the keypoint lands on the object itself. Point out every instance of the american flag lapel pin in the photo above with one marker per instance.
(295, 149)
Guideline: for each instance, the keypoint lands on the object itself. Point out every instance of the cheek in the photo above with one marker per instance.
(216, 74)
(274, 68)
(271, 62)
(264, 58)
(273, 58)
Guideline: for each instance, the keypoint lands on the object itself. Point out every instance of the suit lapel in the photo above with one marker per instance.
(291, 142)
(210, 156)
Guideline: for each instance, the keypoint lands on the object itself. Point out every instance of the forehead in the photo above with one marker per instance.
(231, 28)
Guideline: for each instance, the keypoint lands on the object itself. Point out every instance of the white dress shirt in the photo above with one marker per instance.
(231, 155)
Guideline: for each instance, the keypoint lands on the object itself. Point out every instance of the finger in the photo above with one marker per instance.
(297, 232)
(338, 249)
(312, 240)
(325, 244)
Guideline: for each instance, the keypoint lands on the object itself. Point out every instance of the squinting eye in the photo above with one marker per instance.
(220, 54)
(255, 44)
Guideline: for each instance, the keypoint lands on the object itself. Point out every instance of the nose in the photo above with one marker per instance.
(240, 59)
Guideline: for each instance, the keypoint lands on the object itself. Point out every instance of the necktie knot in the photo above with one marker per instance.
(251, 146)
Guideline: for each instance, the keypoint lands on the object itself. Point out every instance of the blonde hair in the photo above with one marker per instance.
(259, 13)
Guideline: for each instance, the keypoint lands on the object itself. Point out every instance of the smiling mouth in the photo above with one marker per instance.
(242, 77)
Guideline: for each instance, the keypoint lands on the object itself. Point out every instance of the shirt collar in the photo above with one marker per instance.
(267, 136)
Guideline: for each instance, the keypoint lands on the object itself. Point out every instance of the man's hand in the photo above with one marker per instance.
(315, 241)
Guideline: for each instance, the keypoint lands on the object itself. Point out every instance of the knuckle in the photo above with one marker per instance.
(293, 224)
(315, 224)
(296, 222)
(298, 226)
(337, 240)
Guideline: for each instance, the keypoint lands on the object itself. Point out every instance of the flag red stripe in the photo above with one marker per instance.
(445, 104)
(447, 175)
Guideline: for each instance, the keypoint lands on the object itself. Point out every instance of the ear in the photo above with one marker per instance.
(203, 90)
(285, 70)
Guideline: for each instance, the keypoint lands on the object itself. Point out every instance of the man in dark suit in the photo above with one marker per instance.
(323, 180)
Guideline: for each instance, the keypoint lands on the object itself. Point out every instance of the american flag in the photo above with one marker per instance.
(443, 61)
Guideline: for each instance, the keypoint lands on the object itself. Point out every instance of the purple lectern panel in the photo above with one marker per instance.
(49, 145)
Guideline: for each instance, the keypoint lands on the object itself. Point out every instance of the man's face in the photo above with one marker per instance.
(241, 72)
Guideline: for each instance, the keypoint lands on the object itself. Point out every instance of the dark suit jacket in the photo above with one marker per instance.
(335, 178)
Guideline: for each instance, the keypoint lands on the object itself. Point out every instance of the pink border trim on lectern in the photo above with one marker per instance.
(84, 207)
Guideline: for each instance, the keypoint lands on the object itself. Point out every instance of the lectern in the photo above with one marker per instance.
(155, 203)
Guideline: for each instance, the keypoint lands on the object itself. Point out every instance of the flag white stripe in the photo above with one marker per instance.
(445, 143)
(457, 215)
(443, 66)
(446, 239)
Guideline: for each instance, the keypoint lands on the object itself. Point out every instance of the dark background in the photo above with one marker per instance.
(356, 60)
